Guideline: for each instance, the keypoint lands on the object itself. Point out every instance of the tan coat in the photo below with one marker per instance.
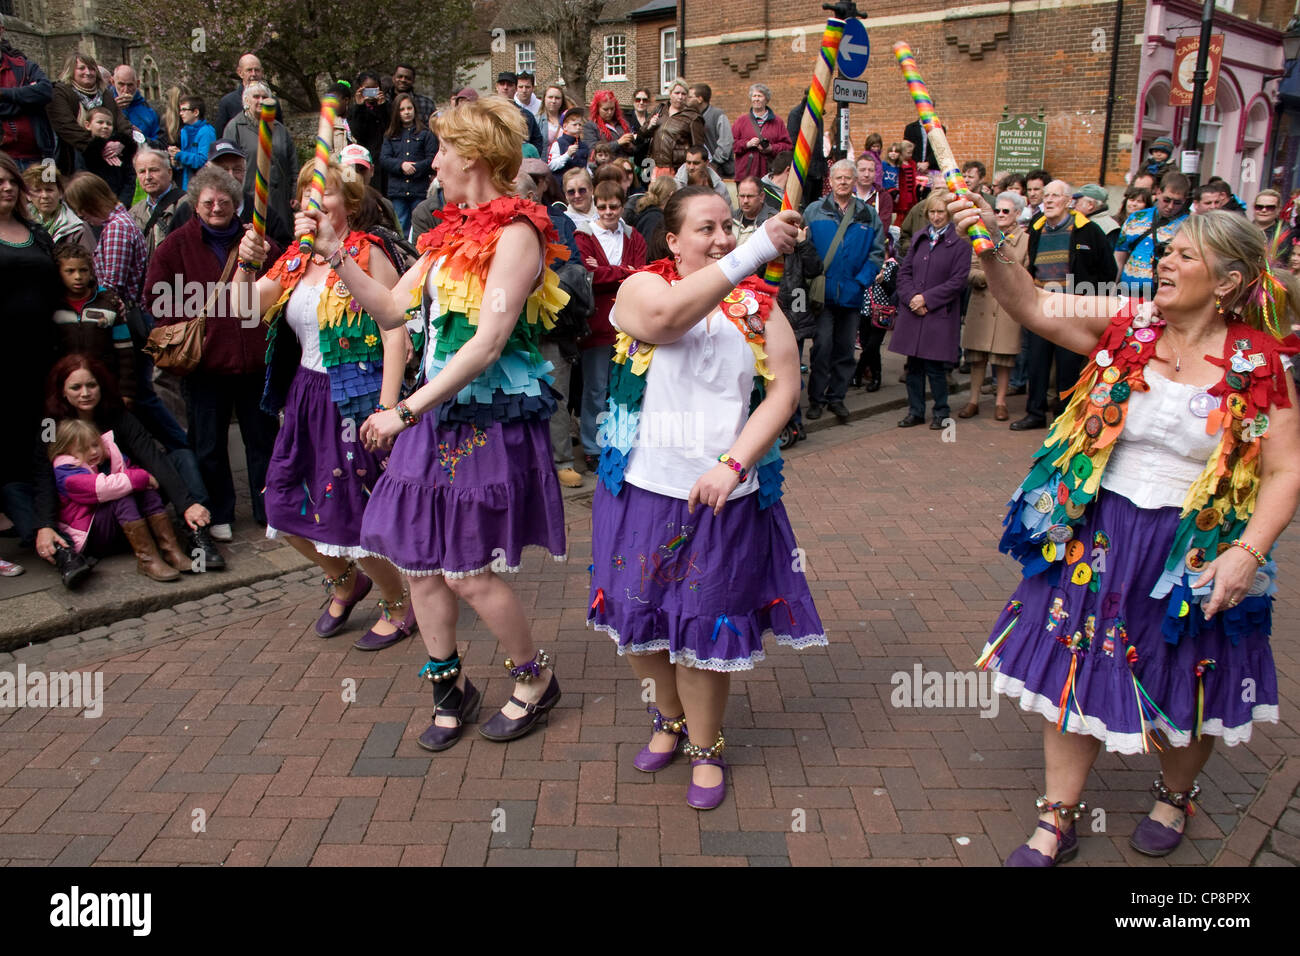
(988, 328)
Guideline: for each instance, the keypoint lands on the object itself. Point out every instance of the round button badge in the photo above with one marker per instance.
(1202, 403)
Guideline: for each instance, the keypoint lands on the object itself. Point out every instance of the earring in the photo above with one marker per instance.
(1218, 305)
(465, 168)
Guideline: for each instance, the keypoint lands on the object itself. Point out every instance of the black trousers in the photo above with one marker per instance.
(1041, 354)
(211, 401)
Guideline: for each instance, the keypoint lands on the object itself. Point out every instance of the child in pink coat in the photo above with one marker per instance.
(98, 506)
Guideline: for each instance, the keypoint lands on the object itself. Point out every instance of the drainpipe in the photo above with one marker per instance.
(1110, 91)
(681, 38)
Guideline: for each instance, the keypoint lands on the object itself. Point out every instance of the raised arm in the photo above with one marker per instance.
(650, 310)
(1075, 322)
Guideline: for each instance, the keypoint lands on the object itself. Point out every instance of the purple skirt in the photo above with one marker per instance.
(320, 476)
(1124, 670)
(459, 499)
(704, 588)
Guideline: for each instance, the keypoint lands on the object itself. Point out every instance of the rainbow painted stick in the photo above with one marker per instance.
(265, 117)
(978, 235)
(329, 108)
(812, 114)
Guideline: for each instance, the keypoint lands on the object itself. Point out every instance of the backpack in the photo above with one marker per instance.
(571, 322)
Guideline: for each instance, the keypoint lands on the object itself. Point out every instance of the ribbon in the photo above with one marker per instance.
(598, 603)
(775, 601)
(1067, 696)
(718, 624)
(1202, 666)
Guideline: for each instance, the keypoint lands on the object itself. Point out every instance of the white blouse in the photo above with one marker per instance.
(1163, 447)
(300, 313)
(696, 403)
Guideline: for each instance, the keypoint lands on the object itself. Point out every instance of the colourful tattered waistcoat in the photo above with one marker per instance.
(631, 365)
(351, 347)
(1054, 498)
(516, 387)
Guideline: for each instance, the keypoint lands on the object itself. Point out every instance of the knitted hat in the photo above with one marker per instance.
(1164, 143)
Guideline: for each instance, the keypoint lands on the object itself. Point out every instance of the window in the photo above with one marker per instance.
(615, 56)
(525, 57)
(150, 83)
(667, 58)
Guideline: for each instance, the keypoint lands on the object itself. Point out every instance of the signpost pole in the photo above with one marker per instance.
(1198, 89)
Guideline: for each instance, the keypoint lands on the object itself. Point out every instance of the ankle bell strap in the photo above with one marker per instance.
(331, 583)
(1063, 811)
(667, 725)
(440, 671)
(695, 752)
(530, 669)
(1180, 799)
(386, 607)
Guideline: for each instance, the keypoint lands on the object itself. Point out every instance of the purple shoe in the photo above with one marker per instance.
(707, 798)
(650, 760)
(370, 641)
(438, 738)
(501, 728)
(1067, 848)
(1153, 838)
(329, 625)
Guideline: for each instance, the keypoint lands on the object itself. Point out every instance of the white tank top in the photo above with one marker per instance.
(1163, 447)
(696, 403)
(300, 313)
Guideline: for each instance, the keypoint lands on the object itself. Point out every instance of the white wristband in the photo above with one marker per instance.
(744, 260)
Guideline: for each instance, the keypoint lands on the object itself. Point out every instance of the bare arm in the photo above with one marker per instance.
(1233, 572)
(651, 310)
(1075, 322)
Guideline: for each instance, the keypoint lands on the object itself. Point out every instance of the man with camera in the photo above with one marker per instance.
(1147, 232)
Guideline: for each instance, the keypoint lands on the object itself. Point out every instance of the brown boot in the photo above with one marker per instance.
(165, 534)
(148, 561)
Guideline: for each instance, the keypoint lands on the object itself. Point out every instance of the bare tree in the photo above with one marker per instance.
(572, 24)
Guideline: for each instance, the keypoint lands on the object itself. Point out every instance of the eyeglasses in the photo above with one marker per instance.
(1264, 208)
(581, 191)
(608, 207)
(640, 99)
(186, 109)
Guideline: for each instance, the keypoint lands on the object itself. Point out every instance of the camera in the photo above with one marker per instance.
(370, 92)
(763, 142)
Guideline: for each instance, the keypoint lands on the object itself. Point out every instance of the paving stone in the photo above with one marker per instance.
(163, 614)
(266, 585)
(214, 610)
(189, 607)
(93, 634)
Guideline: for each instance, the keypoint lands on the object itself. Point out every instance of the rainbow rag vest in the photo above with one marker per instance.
(627, 381)
(1052, 502)
(516, 387)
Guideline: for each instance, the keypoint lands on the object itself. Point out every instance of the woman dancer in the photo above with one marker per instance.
(691, 545)
(328, 366)
(470, 481)
(1146, 523)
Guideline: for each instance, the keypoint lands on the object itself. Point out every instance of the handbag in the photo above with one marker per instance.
(878, 301)
(178, 348)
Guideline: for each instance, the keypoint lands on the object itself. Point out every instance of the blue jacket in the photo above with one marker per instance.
(142, 116)
(860, 255)
(416, 146)
(196, 137)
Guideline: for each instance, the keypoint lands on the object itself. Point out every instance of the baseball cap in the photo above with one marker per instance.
(505, 76)
(224, 147)
(468, 93)
(355, 154)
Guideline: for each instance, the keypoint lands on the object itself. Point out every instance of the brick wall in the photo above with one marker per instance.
(1057, 61)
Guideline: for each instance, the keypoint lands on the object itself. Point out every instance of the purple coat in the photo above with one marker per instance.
(939, 274)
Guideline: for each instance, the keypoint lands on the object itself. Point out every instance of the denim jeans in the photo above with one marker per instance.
(918, 370)
(17, 501)
(404, 208)
(595, 393)
(561, 438)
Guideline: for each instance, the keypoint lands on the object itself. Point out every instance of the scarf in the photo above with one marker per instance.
(89, 98)
(1054, 499)
(219, 240)
(63, 225)
(746, 307)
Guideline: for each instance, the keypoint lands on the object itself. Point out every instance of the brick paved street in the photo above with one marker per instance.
(233, 706)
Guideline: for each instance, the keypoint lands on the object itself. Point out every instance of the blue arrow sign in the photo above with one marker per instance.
(855, 49)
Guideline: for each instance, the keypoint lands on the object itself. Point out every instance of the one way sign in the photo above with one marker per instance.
(855, 49)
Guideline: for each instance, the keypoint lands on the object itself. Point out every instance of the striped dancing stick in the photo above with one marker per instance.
(266, 117)
(329, 107)
(812, 114)
(978, 235)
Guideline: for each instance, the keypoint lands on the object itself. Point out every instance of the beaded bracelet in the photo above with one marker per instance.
(734, 465)
(407, 416)
(381, 407)
(1253, 552)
